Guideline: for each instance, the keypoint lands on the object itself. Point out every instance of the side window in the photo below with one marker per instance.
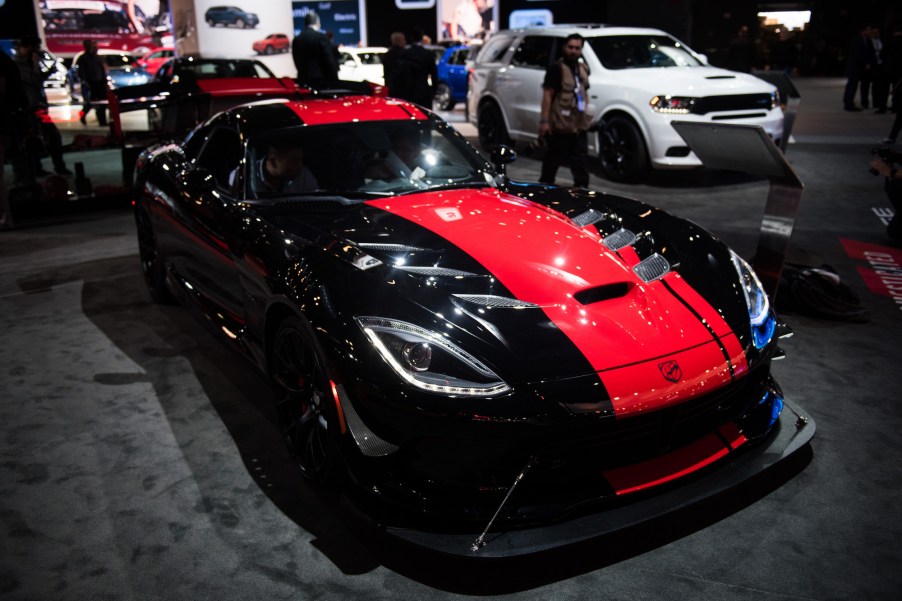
(534, 52)
(222, 155)
(494, 50)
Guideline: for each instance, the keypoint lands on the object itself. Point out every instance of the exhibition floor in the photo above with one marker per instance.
(140, 458)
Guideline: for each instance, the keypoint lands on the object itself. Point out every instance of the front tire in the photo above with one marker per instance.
(624, 157)
(303, 400)
(268, 50)
(490, 124)
(152, 265)
(239, 23)
(444, 100)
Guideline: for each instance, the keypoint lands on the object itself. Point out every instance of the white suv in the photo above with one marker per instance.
(640, 80)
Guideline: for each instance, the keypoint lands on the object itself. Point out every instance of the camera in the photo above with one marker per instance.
(886, 155)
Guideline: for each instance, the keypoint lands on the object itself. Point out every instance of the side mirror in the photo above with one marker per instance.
(501, 156)
(197, 181)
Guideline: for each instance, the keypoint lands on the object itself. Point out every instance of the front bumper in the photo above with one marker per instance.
(791, 433)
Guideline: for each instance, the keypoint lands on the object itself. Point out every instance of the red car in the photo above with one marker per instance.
(156, 57)
(274, 42)
(67, 23)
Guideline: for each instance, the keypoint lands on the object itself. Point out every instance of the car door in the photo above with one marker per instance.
(207, 191)
(520, 89)
(457, 73)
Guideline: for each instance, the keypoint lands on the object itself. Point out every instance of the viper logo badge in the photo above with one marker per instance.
(671, 371)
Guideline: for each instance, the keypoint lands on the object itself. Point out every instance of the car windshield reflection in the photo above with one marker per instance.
(362, 159)
(641, 52)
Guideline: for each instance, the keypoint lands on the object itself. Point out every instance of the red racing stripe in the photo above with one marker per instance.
(543, 258)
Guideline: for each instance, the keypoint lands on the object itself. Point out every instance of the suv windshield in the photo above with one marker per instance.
(641, 52)
(376, 157)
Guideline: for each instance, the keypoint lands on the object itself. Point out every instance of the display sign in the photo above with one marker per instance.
(466, 20)
(343, 18)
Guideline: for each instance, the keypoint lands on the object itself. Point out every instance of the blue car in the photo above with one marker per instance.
(122, 70)
(452, 78)
(231, 16)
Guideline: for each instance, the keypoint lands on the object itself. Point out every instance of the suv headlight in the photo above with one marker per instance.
(761, 317)
(673, 105)
(775, 99)
(426, 360)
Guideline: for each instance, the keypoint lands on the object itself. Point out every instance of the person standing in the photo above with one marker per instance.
(13, 104)
(741, 52)
(564, 120)
(314, 57)
(858, 64)
(416, 73)
(92, 73)
(390, 58)
(37, 120)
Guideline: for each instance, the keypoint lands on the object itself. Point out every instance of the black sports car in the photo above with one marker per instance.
(486, 359)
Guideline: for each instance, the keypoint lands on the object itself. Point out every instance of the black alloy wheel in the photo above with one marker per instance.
(492, 131)
(443, 98)
(151, 261)
(623, 154)
(302, 396)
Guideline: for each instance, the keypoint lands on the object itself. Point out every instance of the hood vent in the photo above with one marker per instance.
(721, 77)
(619, 239)
(436, 271)
(495, 302)
(651, 268)
(391, 248)
(588, 218)
(602, 293)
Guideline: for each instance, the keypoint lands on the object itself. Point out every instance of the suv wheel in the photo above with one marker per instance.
(239, 23)
(492, 131)
(623, 154)
(269, 50)
(443, 98)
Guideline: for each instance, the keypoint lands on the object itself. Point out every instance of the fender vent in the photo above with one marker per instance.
(652, 268)
(602, 293)
(385, 247)
(619, 239)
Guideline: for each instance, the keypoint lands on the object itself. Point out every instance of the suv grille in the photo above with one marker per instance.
(736, 102)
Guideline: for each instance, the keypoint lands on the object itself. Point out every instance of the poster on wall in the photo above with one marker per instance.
(466, 20)
(343, 19)
(243, 29)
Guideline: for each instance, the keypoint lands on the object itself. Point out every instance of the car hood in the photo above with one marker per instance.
(539, 288)
(690, 81)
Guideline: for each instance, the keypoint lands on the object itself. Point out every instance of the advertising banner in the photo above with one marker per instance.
(343, 19)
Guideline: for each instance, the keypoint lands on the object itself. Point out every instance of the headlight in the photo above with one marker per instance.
(775, 99)
(428, 361)
(673, 105)
(760, 316)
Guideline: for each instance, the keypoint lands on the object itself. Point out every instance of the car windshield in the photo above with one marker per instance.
(211, 69)
(641, 52)
(363, 159)
(118, 61)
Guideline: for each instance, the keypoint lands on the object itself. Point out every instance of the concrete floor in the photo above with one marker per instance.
(140, 459)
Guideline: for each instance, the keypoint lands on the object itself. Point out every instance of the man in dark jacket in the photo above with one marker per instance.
(37, 121)
(314, 56)
(858, 66)
(92, 73)
(415, 73)
(390, 59)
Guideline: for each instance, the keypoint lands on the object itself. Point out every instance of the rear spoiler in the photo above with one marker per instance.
(183, 105)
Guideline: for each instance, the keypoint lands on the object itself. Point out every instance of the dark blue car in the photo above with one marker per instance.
(230, 16)
(452, 78)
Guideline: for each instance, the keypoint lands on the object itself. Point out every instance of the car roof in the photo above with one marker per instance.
(261, 116)
(587, 30)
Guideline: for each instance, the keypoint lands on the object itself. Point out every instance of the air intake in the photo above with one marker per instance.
(619, 239)
(602, 293)
(652, 268)
(435, 271)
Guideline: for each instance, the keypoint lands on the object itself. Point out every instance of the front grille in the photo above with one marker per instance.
(737, 102)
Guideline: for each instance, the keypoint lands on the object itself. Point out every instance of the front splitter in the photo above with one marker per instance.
(792, 433)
